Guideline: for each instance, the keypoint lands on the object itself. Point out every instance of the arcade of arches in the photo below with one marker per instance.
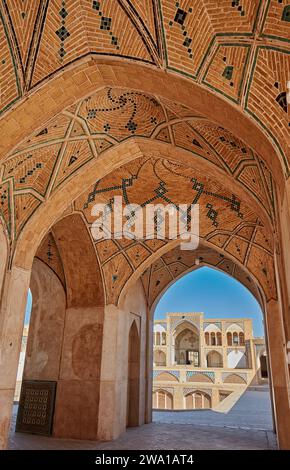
(155, 100)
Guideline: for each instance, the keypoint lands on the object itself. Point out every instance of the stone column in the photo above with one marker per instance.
(144, 371)
(215, 398)
(173, 361)
(178, 399)
(225, 346)
(113, 379)
(78, 386)
(202, 358)
(114, 369)
(13, 304)
(149, 369)
(182, 376)
(218, 377)
(279, 371)
(168, 346)
(252, 362)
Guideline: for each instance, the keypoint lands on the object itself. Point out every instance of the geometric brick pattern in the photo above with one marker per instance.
(235, 230)
(227, 49)
(9, 78)
(272, 94)
(107, 27)
(225, 71)
(239, 51)
(71, 140)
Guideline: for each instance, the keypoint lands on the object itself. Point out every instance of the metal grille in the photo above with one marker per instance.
(36, 407)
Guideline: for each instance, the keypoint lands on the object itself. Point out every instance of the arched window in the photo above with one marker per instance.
(158, 338)
(163, 338)
(162, 400)
(187, 344)
(229, 339)
(206, 336)
(235, 339)
(242, 338)
(264, 370)
(197, 400)
(159, 358)
(212, 338)
(214, 359)
(219, 338)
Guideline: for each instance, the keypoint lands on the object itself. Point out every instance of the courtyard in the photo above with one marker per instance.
(248, 426)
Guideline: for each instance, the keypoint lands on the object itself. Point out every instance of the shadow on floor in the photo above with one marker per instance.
(188, 430)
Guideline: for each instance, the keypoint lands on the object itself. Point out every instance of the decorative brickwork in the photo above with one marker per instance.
(70, 141)
(212, 44)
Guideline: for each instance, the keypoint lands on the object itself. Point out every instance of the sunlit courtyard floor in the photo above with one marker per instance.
(247, 426)
(252, 411)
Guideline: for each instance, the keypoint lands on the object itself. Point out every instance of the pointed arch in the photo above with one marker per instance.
(197, 400)
(133, 395)
(166, 376)
(214, 359)
(162, 400)
(234, 379)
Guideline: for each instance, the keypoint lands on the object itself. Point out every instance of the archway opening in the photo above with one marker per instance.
(214, 353)
(186, 342)
(214, 359)
(133, 377)
(264, 367)
(197, 401)
(162, 400)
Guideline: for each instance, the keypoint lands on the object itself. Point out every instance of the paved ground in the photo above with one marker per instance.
(180, 431)
(253, 410)
(158, 437)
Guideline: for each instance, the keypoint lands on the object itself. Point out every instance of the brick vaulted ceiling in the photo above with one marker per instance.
(84, 132)
(238, 49)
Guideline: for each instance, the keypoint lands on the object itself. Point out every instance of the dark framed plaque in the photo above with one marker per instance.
(36, 407)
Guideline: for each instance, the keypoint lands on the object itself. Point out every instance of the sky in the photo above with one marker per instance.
(28, 307)
(214, 293)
